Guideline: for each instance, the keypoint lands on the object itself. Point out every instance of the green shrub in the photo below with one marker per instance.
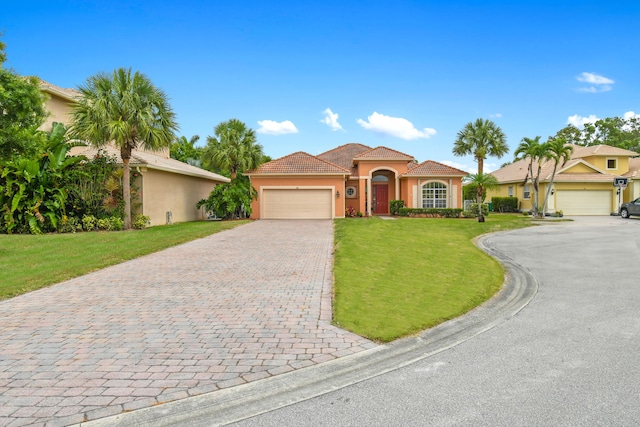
(69, 224)
(141, 221)
(104, 224)
(505, 204)
(430, 212)
(89, 222)
(116, 223)
(395, 206)
(472, 212)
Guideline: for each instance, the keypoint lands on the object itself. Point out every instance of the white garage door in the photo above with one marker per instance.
(574, 202)
(297, 203)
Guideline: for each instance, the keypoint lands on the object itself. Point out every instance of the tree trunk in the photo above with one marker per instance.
(126, 193)
(546, 197)
(479, 194)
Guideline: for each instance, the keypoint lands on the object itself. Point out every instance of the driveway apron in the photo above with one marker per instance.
(235, 307)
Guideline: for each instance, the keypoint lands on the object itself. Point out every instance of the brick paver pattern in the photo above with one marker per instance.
(235, 307)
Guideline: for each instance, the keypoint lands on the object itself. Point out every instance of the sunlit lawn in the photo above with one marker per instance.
(30, 262)
(396, 277)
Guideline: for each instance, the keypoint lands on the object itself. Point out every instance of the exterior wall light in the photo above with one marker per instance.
(337, 194)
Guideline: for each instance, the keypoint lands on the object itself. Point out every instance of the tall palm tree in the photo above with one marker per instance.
(532, 149)
(482, 182)
(127, 110)
(233, 149)
(184, 149)
(481, 138)
(559, 151)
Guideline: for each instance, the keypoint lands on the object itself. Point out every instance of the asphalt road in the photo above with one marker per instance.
(569, 358)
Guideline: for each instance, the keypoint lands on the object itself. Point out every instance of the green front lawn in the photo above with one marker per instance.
(397, 277)
(30, 262)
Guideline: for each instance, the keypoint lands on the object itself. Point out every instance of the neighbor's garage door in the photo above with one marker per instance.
(572, 202)
(297, 204)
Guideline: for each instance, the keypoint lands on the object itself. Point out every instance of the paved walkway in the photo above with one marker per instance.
(232, 308)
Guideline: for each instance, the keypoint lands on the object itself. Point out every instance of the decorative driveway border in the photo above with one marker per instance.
(235, 307)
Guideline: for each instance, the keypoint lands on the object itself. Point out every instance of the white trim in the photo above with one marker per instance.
(606, 160)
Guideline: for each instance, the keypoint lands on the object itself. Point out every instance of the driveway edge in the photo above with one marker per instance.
(248, 400)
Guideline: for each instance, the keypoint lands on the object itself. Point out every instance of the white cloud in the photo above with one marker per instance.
(631, 115)
(395, 126)
(331, 119)
(579, 121)
(488, 167)
(594, 79)
(598, 83)
(270, 127)
(495, 116)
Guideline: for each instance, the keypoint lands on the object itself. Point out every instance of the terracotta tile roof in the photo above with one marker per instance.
(297, 164)
(600, 150)
(383, 153)
(151, 161)
(343, 155)
(431, 168)
(634, 168)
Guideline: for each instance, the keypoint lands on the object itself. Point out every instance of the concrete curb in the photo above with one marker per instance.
(245, 401)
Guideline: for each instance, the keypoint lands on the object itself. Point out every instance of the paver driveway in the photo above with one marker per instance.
(235, 307)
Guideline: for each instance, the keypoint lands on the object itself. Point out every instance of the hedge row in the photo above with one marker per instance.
(430, 212)
(505, 204)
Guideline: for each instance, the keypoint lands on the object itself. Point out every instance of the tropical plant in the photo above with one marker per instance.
(532, 149)
(33, 190)
(560, 152)
(482, 182)
(233, 150)
(127, 110)
(184, 149)
(481, 138)
(230, 201)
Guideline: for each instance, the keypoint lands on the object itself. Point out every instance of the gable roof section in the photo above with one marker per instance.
(151, 161)
(600, 150)
(68, 94)
(431, 168)
(344, 154)
(571, 164)
(383, 153)
(299, 163)
(634, 168)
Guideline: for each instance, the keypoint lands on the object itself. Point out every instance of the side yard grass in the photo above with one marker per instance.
(394, 278)
(29, 262)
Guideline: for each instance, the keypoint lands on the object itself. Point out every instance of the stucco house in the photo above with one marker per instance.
(582, 186)
(169, 189)
(351, 177)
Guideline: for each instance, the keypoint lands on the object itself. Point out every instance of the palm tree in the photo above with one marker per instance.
(127, 110)
(482, 182)
(532, 149)
(481, 138)
(233, 149)
(559, 151)
(184, 149)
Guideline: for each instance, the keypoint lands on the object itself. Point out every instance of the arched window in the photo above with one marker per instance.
(434, 195)
(380, 178)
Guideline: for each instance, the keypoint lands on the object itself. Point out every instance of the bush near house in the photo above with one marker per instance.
(395, 206)
(505, 204)
(430, 212)
(472, 212)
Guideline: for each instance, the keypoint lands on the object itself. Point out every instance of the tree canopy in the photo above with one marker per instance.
(618, 132)
(22, 112)
(185, 150)
(125, 109)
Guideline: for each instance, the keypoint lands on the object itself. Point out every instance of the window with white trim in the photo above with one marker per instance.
(511, 191)
(434, 195)
(527, 191)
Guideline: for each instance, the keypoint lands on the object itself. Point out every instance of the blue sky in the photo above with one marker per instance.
(309, 76)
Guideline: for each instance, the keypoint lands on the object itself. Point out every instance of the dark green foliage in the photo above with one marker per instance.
(230, 201)
(621, 132)
(395, 206)
(505, 204)
(430, 212)
(33, 190)
(184, 149)
(21, 113)
(141, 221)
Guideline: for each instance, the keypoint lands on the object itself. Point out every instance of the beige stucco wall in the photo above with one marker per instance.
(59, 111)
(336, 183)
(164, 192)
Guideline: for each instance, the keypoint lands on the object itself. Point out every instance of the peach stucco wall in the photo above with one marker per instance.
(164, 192)
(411, 191)
(59, 111)
(336, 183)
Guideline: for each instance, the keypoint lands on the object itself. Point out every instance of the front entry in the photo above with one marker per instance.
(380, 199)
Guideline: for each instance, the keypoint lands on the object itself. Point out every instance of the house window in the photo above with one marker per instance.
(434, 195)
(527, 191)
(351, 192)
(511, 191)
(612, 164)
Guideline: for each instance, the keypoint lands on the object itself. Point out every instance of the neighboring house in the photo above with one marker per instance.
(168, 189)
(582, 186)
(351, 177)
